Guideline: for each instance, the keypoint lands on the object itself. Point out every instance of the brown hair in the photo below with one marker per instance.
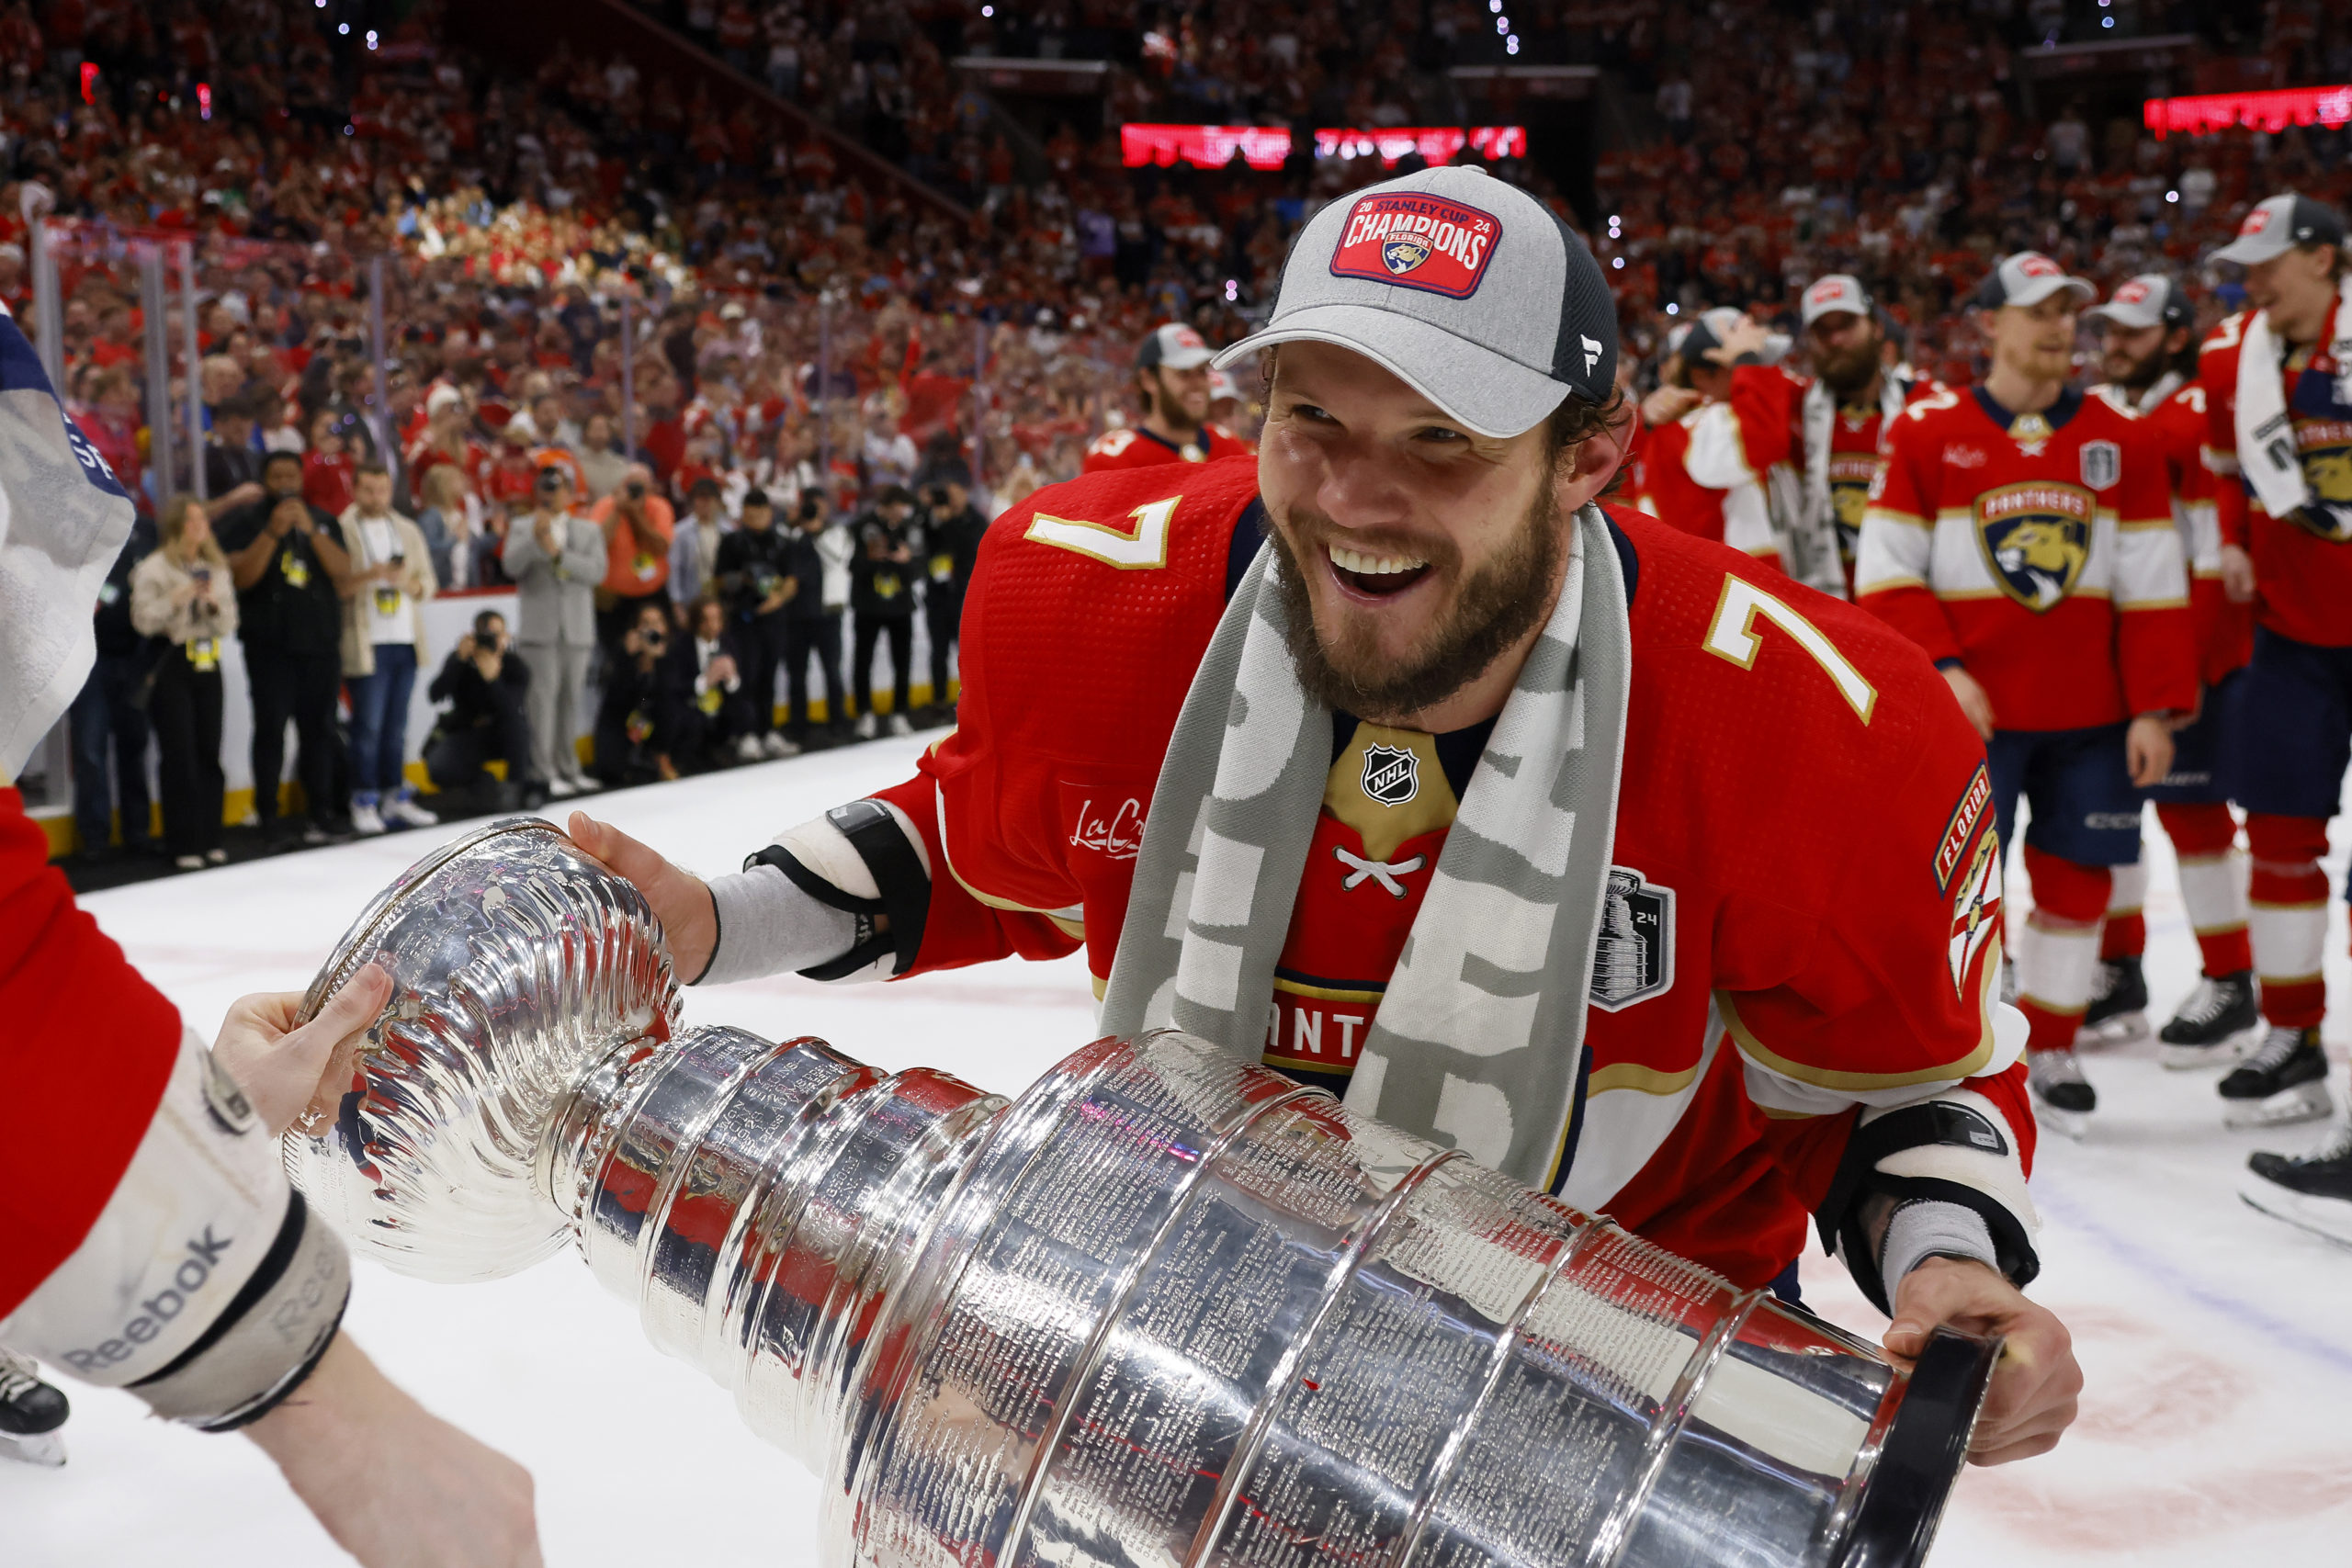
(173, 526)
(1572, 423)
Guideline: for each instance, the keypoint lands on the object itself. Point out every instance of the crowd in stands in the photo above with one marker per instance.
(691, 315)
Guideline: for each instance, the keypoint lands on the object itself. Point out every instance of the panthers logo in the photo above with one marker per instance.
(2037, 538)
(1402, 253)
(2326, 453)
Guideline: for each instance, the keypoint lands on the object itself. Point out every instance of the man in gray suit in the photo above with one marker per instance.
(556, 558)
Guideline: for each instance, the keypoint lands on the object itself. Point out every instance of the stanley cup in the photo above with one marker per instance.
(1166, 1308)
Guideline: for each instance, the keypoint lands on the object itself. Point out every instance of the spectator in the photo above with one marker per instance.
(950, 544)
(507, 484)
(693, 554)
(107, 723)
(821, 560)
(717, 713)
(442, 521)
(639, 720)
(638, 525)
(383, 643)
(272, 428)
(287, 561)
(600, 456)
(889, 452)
(231, 458)
(486, 685)
(883, 598)
(327, 468)
(555, 558)
(112, 421)
(181, 596)
(755, 574)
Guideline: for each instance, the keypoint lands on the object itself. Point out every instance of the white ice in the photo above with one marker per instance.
(2218, 1343)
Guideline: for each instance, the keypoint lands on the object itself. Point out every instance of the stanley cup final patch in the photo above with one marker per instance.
(1417, 240)
(1392, 774)
(2102, 464)
(1633, 957)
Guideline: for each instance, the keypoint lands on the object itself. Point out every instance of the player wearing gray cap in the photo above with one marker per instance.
(1690, 468)
(1173, 383)
(1467, 798)
(2148, 354)
(2278, 398)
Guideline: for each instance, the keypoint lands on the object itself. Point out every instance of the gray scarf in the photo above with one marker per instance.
(1817, 527)
(1478, 1040)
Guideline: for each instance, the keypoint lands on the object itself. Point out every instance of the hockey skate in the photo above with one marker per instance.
(2119, 1011)
(2212, 1026)
(2311, 1192)
(2062, 1099)
(2285, 1081)
(32, 1415)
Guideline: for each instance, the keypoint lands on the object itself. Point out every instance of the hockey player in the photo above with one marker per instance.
(1172, 382)
(1459, 795)
(1817, 437)
(2021, 535)
(2278, 396)
(2149, 359)
(1689, 468)
(148, 1238)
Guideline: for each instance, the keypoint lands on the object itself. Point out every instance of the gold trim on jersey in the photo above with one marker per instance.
(1327, 993)
(1640, 1079)
(1968, 1067)
(1069, 920)
(1308, 1064)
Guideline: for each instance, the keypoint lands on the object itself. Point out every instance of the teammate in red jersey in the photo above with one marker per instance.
(2022, 535)
(1469, 807)
(1172, 382)
(1817, 437)
(2278, 398)
(1689, 469)
(2149, 358)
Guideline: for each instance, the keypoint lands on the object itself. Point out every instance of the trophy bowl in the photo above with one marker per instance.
(1166, 1308)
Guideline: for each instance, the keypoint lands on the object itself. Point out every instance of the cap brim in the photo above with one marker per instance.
(2252, 248)
(2132, 316)
(1491, 394)
(1189, 359)
(2040, 288)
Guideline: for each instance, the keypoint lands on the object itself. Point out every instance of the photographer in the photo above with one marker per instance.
(710, 694)
(383, 643)
(821, 560)
(638, 525)
(638, 722)
(487, 686)
(181, 596)
(288, 563)
(556, 558)
(755, 574)
(882, 595)
(949, 544)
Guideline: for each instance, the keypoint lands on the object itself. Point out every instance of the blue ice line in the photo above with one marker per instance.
(2147, 1262)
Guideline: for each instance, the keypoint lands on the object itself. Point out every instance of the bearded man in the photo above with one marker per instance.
(1463, 799)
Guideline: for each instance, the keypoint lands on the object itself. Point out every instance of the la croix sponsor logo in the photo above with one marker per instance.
(1958, 455)
(1116, 832)
(1417, 240)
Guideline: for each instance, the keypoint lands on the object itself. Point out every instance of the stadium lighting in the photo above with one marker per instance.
(987, 10)
(1511, 44)
(2272, 111)
(2106, 21)
(371, 37)
(1617, 263)
(1232, 290)
(204, 99)
(2172, 196)
(343, 28)
(1672, 308)
(1502, 23)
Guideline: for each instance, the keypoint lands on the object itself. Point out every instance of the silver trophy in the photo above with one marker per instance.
(1166, 1308)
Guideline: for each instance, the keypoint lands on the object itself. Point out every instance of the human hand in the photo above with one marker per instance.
(2147, 748)
(1746, 337)
(245, 494)
(393, 1484)
(2237, 574)
(721, 670)
(1973, 700)
(285, 1068)
(2032, 1401)
(1668, 404)
(466, 646)
(681, 900)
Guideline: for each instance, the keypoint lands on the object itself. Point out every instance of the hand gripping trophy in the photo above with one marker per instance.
(1167, 1308)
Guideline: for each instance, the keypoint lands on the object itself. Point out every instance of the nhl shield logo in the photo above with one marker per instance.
(2102, 464)
(2036, 537)
(1633, 959)
(1392, 774)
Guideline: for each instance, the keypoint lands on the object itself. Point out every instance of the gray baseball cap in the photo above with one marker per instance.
(2278, 225)
(1837, 291)
(2145, 300)
(2028, 278)
(1467, 289)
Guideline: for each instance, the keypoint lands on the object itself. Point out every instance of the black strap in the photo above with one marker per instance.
(897, 872)
(1931, 1123)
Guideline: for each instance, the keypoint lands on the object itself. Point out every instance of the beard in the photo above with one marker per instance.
(1847, 372)
(2134, 374)
(1494, 607)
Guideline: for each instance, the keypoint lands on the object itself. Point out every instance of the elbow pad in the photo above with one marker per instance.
(856, 865)
(1954, 1148)
(204, 1287)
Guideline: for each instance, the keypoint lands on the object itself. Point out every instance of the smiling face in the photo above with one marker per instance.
(1846, 346)
(2132, 356)
(1413, 554)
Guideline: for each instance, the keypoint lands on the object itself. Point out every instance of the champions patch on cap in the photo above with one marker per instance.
(1417, 240)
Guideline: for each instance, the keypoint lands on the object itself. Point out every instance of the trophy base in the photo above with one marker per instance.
(1921, 1455)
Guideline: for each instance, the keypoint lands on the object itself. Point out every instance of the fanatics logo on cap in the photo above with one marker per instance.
(1417, 240)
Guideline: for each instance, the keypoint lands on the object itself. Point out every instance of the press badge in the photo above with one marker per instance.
(203, 654)
(296, 571)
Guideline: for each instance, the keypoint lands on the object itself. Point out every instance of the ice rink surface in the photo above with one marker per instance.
(2218, 1343)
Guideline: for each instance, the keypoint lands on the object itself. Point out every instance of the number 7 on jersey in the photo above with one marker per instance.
(1732, 636)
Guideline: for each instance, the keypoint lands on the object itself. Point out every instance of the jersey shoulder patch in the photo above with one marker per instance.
(1110, 442)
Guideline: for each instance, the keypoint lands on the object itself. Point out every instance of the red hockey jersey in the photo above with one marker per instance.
(2303, 580)
(2224, 631)
(1661, 480)
(1769, 404)
(2038, 550)
(1794, 941)
(1138, 447)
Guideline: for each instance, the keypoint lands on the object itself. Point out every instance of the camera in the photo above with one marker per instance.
(811, 508)
(550, 480)
(636, 488)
